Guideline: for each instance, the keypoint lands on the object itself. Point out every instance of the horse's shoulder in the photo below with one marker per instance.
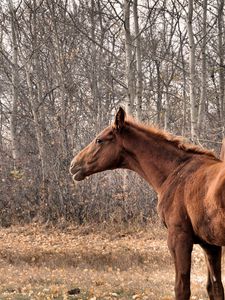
(183, 187)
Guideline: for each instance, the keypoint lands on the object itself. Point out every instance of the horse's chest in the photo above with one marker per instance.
(171, 204)
(177, 201)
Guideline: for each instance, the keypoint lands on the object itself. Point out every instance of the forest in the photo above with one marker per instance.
(65, 68)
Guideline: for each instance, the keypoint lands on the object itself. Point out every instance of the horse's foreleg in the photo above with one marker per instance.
(214, 283)
(180, 245)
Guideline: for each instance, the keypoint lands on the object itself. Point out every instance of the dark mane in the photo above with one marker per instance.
(176, 140)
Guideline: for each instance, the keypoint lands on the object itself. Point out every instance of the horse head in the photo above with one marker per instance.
(103, 153)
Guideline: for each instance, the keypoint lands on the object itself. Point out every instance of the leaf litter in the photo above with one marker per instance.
(40, 262)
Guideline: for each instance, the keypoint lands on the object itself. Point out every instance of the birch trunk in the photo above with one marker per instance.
(203, 71)
(221, 59)
(138, 62)
(184, 114)
(166, 114)
(1, 127)
(159, 93)
(94, 69)
(15, 79)
(194, 107)
(184, 80)
(130, 76)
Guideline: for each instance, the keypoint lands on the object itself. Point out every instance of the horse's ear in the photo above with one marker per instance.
(120, 119)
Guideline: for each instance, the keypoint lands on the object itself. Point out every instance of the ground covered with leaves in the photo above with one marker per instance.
(42, 262)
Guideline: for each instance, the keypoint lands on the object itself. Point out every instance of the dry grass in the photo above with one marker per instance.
(44, 263)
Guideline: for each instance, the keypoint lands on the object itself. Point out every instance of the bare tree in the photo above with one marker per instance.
(65, 66)
(15, 83)
(139, 88)
(203, 68)
(192, 63)
(221, 58)
(59, 52)
(130, 63)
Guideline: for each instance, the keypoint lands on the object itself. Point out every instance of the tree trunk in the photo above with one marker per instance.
(33, 73)
(138, 63)
(221, 59)
(166, 114)
(203, 71)
(130, 75)
(94, 68)
(184, 82)
(15, 79)
(37, 122)
(159, 93)
(1, 127)
(194, 107)
(61, 82)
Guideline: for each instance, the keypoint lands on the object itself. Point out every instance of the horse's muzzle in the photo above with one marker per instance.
(76, 171)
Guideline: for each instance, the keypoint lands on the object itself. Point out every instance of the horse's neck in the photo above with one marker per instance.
(152, 157)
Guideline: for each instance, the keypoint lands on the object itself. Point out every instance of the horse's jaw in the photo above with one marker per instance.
(79, 175)
(77, 172)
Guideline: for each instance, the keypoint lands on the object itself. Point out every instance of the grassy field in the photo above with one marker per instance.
(39, 262)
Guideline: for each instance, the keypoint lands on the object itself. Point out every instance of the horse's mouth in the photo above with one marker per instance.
(79, 175)
(77, 172)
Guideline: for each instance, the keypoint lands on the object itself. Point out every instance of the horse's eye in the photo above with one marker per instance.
(99, 141)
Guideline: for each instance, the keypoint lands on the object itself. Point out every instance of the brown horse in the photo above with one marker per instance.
(190, 183)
